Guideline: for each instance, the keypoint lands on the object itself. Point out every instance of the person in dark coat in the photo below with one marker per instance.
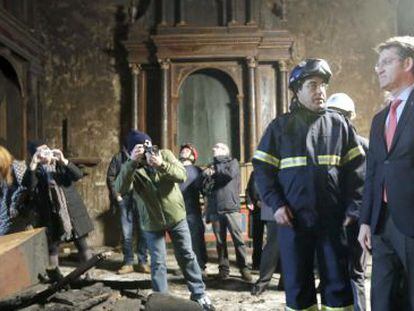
(222, 180)
(254, 204)
(357, 256)
(191, 189)
(60, 208)
(129, 215)
(308, 168)
(269, 256)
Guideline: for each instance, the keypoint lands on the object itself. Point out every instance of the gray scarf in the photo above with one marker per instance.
(58, 199)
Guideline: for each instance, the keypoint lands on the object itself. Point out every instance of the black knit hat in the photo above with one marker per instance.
(136, 137)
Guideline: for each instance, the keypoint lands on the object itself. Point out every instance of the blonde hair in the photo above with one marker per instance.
(6, 160)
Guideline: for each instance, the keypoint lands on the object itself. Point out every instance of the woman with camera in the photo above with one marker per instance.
(58, 203)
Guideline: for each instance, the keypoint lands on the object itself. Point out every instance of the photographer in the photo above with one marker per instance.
(129, 215)
(154, 176)
(57, 202)
(222, 180)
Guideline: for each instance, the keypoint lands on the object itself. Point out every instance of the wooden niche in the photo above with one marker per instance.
(254, 59)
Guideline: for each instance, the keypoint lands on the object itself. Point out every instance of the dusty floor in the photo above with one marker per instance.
(229, 295)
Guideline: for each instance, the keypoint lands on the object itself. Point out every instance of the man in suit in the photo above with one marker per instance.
(387, 210)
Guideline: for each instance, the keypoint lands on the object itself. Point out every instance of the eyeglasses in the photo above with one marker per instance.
(386, 62)
(313, 86)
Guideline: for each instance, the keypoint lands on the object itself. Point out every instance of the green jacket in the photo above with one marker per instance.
(163, 202)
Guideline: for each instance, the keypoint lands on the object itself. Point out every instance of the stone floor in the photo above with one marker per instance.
(228, 295)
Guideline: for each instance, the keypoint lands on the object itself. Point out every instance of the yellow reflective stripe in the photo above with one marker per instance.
(265, 157)
(329, 159)
(293, 162)
(311, 308)
(326, 159)
(347, 308)
(352, 154)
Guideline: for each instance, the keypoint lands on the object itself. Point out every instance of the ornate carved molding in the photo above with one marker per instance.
(251, 62)
(180, 72)
(135, 68)
(282, 66)
(165, 64)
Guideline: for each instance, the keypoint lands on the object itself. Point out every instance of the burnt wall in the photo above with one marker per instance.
(87, 82)
(344, 33)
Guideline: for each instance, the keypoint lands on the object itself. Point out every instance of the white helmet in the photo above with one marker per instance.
(342, 102)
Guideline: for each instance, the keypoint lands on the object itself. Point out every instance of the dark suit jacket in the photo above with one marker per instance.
(394, 169)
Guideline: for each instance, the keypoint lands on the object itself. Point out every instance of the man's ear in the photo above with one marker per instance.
(408, 64)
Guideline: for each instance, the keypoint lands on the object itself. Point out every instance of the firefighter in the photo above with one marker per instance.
(309, 169)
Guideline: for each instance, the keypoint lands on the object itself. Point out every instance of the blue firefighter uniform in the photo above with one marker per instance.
(312, 163)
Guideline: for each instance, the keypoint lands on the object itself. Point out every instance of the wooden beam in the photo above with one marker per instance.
(23, 256)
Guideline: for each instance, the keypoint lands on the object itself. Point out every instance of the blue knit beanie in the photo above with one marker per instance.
(136, 137)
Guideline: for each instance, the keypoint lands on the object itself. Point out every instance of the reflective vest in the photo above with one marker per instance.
(313, 163)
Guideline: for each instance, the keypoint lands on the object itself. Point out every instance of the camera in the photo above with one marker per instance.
(46, 153)
(150, 149)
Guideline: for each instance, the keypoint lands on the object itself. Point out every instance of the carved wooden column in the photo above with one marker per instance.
(34, 109)
(233, 12)
(165, 69)
(132, 10)
(223, 12)
(136, 69)
(259, 108)
(250, 12)
(163, 13)
(142, 101)
(283, 99)
(181, 12)
(251, 65)
(242, 139)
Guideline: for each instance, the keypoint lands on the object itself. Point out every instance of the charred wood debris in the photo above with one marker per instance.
(73, 293)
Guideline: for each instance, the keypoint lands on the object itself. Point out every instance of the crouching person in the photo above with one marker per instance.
(154, 176)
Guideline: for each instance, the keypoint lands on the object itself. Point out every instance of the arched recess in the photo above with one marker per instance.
(184, 70)
(208, 112)
(11, 109)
